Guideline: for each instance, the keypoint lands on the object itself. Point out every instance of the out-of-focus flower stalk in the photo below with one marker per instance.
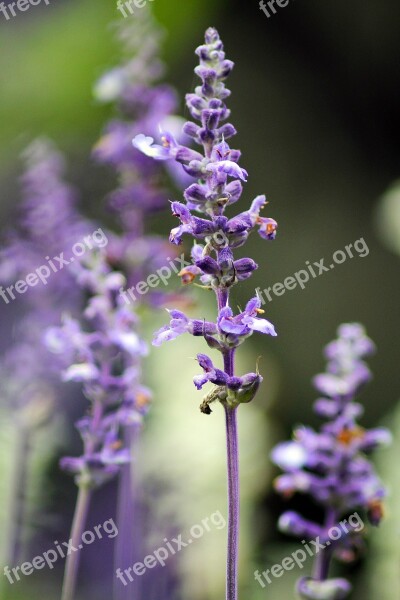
(141, 102)
(48, 223)
(332, 465)
(104, 349)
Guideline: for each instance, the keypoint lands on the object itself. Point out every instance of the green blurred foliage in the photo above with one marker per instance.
(51, 57)
(380, 577)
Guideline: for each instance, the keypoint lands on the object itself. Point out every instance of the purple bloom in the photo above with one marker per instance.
(226, 167)
(331, 464)
(233, 232)
(180, 324)
(230, 331)
(143, 105)
(146, 145)
(245, 323)
(104, 353)
(49, 224)
(103, 350)
(211, 374)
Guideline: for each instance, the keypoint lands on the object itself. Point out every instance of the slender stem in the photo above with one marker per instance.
(81, 509)
(222, 298)
(72, 564)
(125, 543)
(323, 558)
(232, 448)
(232, 452)
(233, 503)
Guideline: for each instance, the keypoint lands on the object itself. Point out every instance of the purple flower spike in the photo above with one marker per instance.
(219, 185)
(104, 353)
(331, 465)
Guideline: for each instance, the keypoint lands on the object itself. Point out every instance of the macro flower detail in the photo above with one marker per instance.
(145, 380)
(332, 465)
(229, 331)
(221, 165)
(231, 390)
(239, 327)
(104, 354)
(146, 145)
(181, 324)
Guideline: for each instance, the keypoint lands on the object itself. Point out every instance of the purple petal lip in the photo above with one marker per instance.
(229, 168)
(146, 145)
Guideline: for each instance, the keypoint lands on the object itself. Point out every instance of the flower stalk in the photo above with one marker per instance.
(140, 100)
(216, 185)
(233, 502)
(103, 349)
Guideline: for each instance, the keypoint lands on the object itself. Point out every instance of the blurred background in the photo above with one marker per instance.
(315, 97)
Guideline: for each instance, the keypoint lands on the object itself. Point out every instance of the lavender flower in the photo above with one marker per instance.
(332, 465)
(219, 185)
(104, 355)
(103, 352)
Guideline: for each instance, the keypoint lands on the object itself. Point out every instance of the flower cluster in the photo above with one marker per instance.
(103, 350)
(104, 354)
(219, 185)
(332, 465)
